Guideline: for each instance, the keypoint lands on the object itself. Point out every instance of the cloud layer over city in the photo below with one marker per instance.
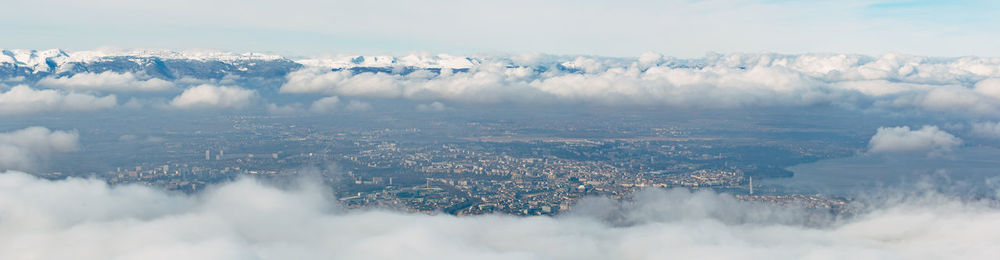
(87, 219)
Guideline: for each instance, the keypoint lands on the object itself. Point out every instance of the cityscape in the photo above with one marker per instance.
(493, 170)
(537, 130)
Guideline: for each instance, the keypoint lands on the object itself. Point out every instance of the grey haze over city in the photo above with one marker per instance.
(716, 129)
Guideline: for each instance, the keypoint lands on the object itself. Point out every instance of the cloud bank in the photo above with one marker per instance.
(893, 83)
(87, 219)
(325, 105)
(22, 100)
(902, 139)
(357, 105)
(432, 107)
(890, 82)
(24, 149)
(107, 81)
(986, 129)
(211, 96)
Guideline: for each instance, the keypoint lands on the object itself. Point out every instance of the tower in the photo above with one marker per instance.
(208, 155)
(751, 185)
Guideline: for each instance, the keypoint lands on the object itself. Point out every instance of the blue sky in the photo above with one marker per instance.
(684, 28)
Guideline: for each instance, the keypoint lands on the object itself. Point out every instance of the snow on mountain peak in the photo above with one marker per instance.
(439, 61)
(54, 60)
(202, 55)
(43, 61)
(37, 60)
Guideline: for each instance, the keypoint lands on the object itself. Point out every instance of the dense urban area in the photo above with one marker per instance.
(467, 167)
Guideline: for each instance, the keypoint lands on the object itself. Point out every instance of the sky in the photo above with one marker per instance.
(679, 28)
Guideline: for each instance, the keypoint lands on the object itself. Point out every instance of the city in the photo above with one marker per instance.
(537, 130)
(493, 170)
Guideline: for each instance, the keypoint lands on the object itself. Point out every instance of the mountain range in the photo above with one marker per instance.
(32, 65)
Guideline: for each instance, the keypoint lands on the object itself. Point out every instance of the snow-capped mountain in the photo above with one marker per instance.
(168, 64)
(440, 61)
(758, 79)
(37, 61)
(32, 64)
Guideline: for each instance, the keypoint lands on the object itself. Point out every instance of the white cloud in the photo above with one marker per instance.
(895, 82)
(137, 103)
(211, 96)
(890, 81)
(929, 139)
(356, 105)
(989, 87)
(432, 107)
(649, 59)
(107, 81)
(148, 139)
(289, 109)
(986, 129)
(24, 149)
(21, 99)
(587, 65)
(315, 80)
(88, 219)
(325, 105)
